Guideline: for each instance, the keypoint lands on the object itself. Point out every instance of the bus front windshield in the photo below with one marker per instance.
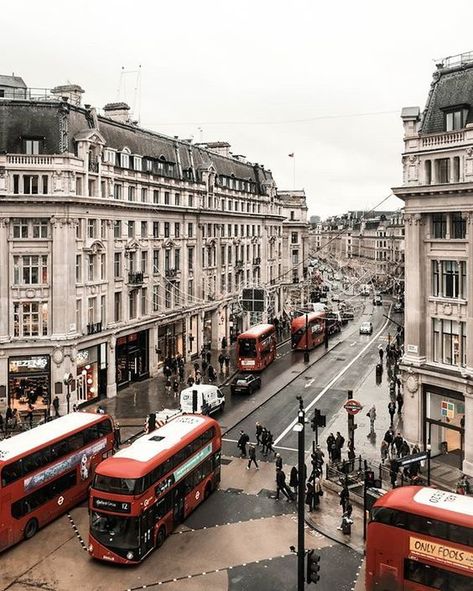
(114, 530)
(121, 486)
(247, 347)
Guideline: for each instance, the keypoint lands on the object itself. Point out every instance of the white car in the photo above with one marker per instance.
(366, 328)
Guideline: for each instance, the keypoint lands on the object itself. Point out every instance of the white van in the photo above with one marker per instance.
(208, 398)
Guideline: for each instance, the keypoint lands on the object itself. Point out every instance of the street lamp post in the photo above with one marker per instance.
(300, 428)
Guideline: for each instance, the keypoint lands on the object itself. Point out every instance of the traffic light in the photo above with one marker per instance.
(313, 567)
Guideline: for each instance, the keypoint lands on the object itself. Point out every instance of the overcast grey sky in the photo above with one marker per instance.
(269, 77)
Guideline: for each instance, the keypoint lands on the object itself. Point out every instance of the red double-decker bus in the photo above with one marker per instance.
(256, 347)
(47, 470)
(145, 490)
(308, 331)
(419, 539)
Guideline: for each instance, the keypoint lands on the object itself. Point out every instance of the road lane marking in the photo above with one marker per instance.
(332, 382)
(309, 383)
(254, 443)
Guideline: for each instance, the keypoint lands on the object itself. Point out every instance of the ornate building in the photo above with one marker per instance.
(438, 194)
(120, 246)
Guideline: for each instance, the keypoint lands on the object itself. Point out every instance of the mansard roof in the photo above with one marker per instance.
(450, 87)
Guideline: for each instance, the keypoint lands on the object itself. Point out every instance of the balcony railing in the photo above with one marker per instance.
(170, 273)
(30, 160)
(443, 139)
(94, 328)
(135, 278)
(257, 261)
(239, 263)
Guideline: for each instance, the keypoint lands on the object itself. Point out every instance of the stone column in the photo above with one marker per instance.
(5, 284)
(111, 368)
(153, 356)
(62, 269)
(468, 460)
(412, 420)
(415, 324)
(469, 291)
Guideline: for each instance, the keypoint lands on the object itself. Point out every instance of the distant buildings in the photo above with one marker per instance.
(120, 246)
(437, 190)
(373, 241)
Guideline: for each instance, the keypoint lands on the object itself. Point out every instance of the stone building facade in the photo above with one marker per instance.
(120, 246)
(437, 190)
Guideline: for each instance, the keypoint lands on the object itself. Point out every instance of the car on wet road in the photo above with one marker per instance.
(245, 384)
(366, 328)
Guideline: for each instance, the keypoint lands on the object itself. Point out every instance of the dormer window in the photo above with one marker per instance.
(455, 118)
(32, 145)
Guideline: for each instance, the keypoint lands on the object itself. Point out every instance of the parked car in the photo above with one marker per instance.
(377, 300)
(398, 307)
(346, 316)
(366, 328)
(245, 383)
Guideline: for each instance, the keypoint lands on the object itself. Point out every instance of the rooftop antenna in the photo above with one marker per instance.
(122, 94)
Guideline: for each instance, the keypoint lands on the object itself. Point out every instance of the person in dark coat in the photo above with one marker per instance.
(340, 442)
(175, 388)
(269, 444)
(227, 363)
(204, 366)
(344, 498)
(252, 456)
(259, 431)
(392, 410)
(208, 356)
(330, 443)
(211, 373)
(281, 485)
(190, 381)
(294, 479)
(56, 406)
(224, 342)
(393, 473)
(397, 443)
(181, 373)
(400, 402)
(278, 461)
(310, 496)
(242, 441)
(264, 441)
(221, 361)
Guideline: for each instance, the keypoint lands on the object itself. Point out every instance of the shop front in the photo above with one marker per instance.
(29, 381)
(132, 358)
(91, 373)
(444, 423)
(171, 340)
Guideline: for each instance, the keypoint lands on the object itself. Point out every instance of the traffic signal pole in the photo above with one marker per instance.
(300, 427)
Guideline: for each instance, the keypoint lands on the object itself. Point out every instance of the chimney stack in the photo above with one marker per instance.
(118, 112)
(70, 93)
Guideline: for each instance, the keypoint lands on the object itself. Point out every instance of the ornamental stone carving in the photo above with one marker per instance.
(4, 222)
(447, 309)
(412, 383)
(58, 355)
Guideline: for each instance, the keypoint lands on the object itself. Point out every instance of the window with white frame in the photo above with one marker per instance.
(137, 163)
(78, 268)
(117, 306)
(449, 279)
(91, 267)
(131, 193)
(92, 228)
(449, 342)
(103, 269)
(117, 229)
(144, 301)
(20, 228)
(79, 316)
(103, 311)
(40, 228)
(117, 265)
(30, 269)
(132, 299)
(155, 262)
(91, 310)
(30, 319)
(155, 298)
(455, 119)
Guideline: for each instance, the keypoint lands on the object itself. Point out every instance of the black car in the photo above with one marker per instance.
(245, 383)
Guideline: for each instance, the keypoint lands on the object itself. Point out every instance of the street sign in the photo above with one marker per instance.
(352, 407)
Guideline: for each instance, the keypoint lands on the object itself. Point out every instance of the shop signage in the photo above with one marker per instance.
(16, 365)
(441, 553)
(406, 460)
(352, 407)
(412, 349)
(110, 505)
(192, 463)
(82, 357)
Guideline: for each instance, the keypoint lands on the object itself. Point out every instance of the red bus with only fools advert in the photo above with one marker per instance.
(420, 539)
(47, 470)
(256, 347)
(147, 489)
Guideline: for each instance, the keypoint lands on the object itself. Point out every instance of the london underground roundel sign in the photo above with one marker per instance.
(352, 407)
